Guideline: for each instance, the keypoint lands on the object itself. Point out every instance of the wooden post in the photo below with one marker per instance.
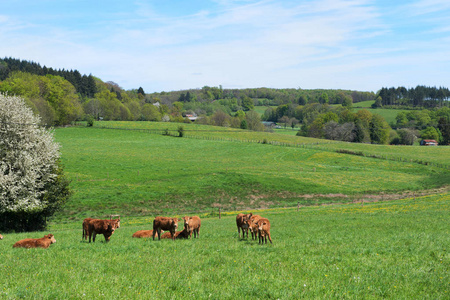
(219, 214)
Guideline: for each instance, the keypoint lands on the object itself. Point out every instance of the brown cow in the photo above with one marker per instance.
(164, 223)
(253, 226)
(192, 224)
(144, 234)
(1, 237)
(184, 234)
(264, 230)
(241, 222)
(35, 243)
(87, 225)
(85, 233)
(105, 227)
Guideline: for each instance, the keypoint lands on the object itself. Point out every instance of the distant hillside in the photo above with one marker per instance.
(61, 97)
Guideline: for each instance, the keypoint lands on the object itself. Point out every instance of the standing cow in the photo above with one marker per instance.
(264, 230)
(164, 223)
(242, 223)
(35, 243)
(192, 224)
(102, 226)
(253, 226)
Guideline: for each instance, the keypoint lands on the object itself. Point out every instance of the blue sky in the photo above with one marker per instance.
(164, 45)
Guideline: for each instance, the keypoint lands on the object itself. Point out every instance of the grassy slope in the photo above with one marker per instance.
(388, 114)
(137, 173)
(394, 250)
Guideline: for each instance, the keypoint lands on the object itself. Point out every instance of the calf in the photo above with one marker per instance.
(105, 227)
(164, 223)
(35, 243)
(242, 223)
(184, 234)
(144, 234)
(85, 233)
(192, 224)
(253, 226)
(89, 224)
(1, 237)
(264, 230)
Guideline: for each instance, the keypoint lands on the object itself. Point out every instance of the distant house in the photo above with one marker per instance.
(268, 124)
(191, 117)
(428, 143)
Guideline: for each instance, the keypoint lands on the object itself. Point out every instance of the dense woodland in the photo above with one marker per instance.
(62, 97)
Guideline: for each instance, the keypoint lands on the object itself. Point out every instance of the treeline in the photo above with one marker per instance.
(236, 98)
(420, 96)
(83, 84)
(61, 97)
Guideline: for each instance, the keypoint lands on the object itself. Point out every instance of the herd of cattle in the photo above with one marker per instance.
(257, 225)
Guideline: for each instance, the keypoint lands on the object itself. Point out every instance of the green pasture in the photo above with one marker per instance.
(364, 104)
(388, 114)
(140, 172)
(384, 250)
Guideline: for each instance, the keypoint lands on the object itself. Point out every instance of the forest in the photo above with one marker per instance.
(62, 97)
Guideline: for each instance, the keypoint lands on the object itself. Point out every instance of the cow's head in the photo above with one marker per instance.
(175, 223)
(115, 223)
(246, 219)
(186, 223)
(261, 224)
(51, 238)
(253, 224)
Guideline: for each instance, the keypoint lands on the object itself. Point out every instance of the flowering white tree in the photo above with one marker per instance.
(28, 160)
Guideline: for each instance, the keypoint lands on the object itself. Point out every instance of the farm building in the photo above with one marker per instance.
(428, 143)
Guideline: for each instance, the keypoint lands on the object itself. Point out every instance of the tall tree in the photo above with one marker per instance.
(32, 183)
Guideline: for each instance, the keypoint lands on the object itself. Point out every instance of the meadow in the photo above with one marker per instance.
(142, 172)
(396, 250)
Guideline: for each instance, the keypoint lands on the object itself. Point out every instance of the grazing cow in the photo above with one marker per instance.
(87, 226)
(264, 230)
(164, 223)
(242, 223)
(192, 224)
(253, 226)
(1, 237)
(144, 234)
(35, 243)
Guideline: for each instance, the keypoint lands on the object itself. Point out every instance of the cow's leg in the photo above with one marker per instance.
(172, 233)
(270, 239)
(90, 235)
(159, 233)
(239, 232)
(93, 238)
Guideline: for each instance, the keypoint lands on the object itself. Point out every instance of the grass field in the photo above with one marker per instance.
(393, 250)
(388, 114)
(136, 173)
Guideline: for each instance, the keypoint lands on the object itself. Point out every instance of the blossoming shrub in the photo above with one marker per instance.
(32, 183)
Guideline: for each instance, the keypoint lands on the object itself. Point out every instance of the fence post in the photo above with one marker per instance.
(219, 214)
